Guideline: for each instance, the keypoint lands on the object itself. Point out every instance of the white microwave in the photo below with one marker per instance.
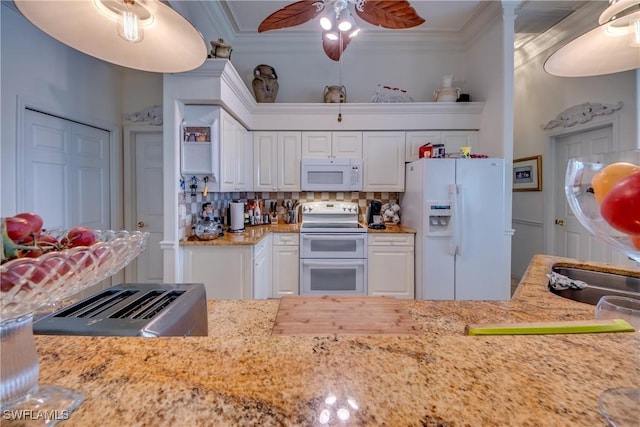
(331, 174)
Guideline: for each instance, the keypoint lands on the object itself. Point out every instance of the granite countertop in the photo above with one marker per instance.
(254, 234)
(241, 375)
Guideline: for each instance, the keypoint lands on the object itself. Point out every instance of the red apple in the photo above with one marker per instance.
(18, 229)
(621, 205)
(79, 236)
(34, 220)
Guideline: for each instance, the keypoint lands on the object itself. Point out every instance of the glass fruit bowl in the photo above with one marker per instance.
(589, 201)
(28, 284)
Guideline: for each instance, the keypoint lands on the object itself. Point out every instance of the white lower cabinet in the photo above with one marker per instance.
(391, 265)
(262, 269)
(286, 265)
(230, 272)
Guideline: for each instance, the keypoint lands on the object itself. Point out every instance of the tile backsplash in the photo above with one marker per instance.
(189, 207)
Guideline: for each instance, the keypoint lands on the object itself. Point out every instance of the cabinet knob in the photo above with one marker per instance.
(141, 224)
(560, 222)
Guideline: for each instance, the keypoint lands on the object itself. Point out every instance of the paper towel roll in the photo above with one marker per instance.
(237, 217)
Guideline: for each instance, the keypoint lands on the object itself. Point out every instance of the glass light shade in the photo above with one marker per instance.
(612, 47)
(170, 44)
(354, 32)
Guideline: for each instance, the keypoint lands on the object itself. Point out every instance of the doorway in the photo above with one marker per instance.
(144, 208)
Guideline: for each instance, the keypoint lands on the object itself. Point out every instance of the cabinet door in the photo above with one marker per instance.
(415, 140)
(262, 269)
(316, 144)
(288, 164)
(225, 271)
(383, 161)
(390, 271)
(286, 265)
(453, 140)
(244, 158)
(265, 161)
(346, 144)
(228, 156)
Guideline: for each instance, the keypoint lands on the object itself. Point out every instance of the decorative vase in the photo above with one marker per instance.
(265, 83)
(447, 93)
(335, 94)
(220, 50)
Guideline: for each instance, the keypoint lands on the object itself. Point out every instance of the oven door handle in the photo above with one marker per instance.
(340, 236)
(333, 262)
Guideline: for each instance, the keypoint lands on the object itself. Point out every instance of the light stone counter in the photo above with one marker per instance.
(240, 375)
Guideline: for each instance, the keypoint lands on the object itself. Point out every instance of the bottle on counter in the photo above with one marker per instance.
(257, 213)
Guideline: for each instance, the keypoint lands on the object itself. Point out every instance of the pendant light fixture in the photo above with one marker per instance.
(612, 47)
(145, 35)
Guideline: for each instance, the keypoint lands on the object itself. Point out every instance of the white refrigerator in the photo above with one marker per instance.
(462, 242)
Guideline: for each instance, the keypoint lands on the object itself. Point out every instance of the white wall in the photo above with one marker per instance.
(539, 97)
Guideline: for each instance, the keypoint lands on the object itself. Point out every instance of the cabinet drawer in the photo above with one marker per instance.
(286, 239)
(390, 239)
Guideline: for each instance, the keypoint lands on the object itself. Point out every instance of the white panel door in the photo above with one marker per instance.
(347, 144)
(316, 145)
(265, 161)
(572, 239)
(66, 172)
(90, 158)
(383, 161)
(288, 165)
(45, 180)
(148, 199)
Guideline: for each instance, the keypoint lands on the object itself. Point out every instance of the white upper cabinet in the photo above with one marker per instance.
(332, 144)
(236, 155)
(276, 160)
(451, 139)
(383, 161)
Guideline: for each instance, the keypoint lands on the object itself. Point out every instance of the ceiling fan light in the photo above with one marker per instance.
(332, 35)
(326, 23)
(345, 21)
(354, 32)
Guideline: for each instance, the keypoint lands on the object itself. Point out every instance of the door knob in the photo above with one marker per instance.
(560, 222)
(141, 224)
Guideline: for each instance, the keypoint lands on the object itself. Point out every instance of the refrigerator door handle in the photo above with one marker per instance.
(457, 219)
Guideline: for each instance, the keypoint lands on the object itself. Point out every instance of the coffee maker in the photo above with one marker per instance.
(374, 217)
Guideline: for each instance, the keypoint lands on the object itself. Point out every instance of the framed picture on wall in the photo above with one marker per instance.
(527, 174)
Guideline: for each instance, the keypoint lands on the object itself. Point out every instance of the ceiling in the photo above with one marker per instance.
(242, 17)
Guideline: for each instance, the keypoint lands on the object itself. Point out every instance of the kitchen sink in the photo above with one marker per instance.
(598, 284)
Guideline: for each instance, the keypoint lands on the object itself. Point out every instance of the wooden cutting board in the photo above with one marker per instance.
(338, 315)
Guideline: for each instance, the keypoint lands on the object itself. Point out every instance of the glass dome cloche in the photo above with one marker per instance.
(31, 283)
(603, 191)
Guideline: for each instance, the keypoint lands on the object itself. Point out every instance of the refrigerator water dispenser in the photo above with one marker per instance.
(440, 223)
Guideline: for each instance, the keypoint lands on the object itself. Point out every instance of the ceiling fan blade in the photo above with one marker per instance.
(332, 47)
(392, 14)
(291, 15)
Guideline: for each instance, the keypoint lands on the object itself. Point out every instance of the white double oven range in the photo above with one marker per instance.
(333, 249)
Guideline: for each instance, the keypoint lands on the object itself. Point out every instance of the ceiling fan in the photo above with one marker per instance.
(391, 14)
